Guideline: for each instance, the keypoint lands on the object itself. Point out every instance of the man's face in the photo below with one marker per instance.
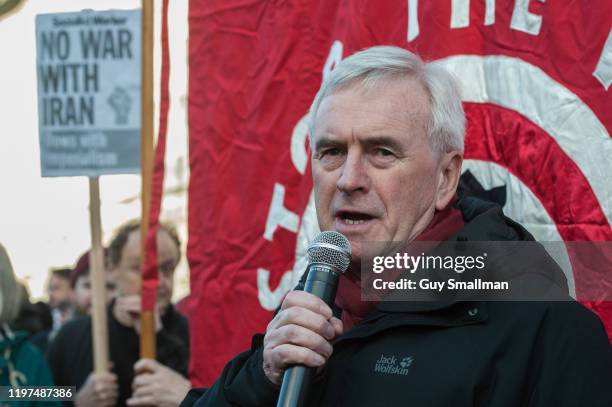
(59, 292)
(129, 266)
(374, 171)
(81, 297)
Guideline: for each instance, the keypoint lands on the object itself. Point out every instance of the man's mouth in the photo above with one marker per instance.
(353, 218)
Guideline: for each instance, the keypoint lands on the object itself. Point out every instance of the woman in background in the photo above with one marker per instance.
(21, 364)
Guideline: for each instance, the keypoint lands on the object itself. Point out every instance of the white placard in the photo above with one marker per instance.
(88, 66)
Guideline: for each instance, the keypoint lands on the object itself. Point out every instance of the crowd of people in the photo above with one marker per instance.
(50, 343)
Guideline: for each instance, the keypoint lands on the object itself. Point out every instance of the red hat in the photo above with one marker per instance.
(81, 267)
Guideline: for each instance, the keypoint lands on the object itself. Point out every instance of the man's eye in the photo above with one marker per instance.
(330, 152)
(331, 157)
(383, 152)
(382, 156)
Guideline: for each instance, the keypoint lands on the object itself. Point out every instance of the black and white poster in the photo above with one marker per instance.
(88, 68)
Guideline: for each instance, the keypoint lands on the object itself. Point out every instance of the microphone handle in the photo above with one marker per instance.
(322, 281)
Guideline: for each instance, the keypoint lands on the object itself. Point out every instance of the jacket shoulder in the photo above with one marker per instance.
(571, 316)
(573, 359)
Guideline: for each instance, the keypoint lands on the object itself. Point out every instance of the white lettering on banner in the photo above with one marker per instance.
(603, 70)
(334, 56)
(279, 215)
(460, 13)
(489, 12)
(271, 299)
(309, 228)
(413, 19)
(523, 20)
(299, 155)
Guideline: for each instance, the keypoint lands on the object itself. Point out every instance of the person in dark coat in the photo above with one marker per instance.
(387, 137)
(131, 381)
(21, 363)
(80, 293)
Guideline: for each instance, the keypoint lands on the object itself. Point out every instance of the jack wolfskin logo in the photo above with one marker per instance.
(389, 365)
(406, 362)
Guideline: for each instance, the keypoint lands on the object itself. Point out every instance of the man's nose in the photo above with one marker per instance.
(354, 176)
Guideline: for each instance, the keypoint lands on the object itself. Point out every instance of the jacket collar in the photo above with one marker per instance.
(483, 221)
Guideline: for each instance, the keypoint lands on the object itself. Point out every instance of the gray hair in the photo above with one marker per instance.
(10, 291)
(368, 67)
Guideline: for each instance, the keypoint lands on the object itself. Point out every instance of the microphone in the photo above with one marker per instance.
(329, 255)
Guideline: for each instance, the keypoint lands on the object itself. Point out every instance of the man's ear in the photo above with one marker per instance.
(449, 172)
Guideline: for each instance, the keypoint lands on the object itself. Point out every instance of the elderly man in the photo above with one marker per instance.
(387, 139)
(132, 381)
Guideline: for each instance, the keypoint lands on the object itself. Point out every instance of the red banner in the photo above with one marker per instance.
(534, 76)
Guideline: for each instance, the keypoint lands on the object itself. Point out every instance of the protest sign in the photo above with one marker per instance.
(88, 66)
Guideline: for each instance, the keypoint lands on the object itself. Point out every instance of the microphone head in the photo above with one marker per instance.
(330, 248)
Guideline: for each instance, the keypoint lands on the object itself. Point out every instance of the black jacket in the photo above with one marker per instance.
(71, 352)
(459, 354)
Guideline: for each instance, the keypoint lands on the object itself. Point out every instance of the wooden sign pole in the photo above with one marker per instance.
(98, 281)
(147, 319)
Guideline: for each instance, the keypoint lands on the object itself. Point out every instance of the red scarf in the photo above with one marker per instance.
(444, 224)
